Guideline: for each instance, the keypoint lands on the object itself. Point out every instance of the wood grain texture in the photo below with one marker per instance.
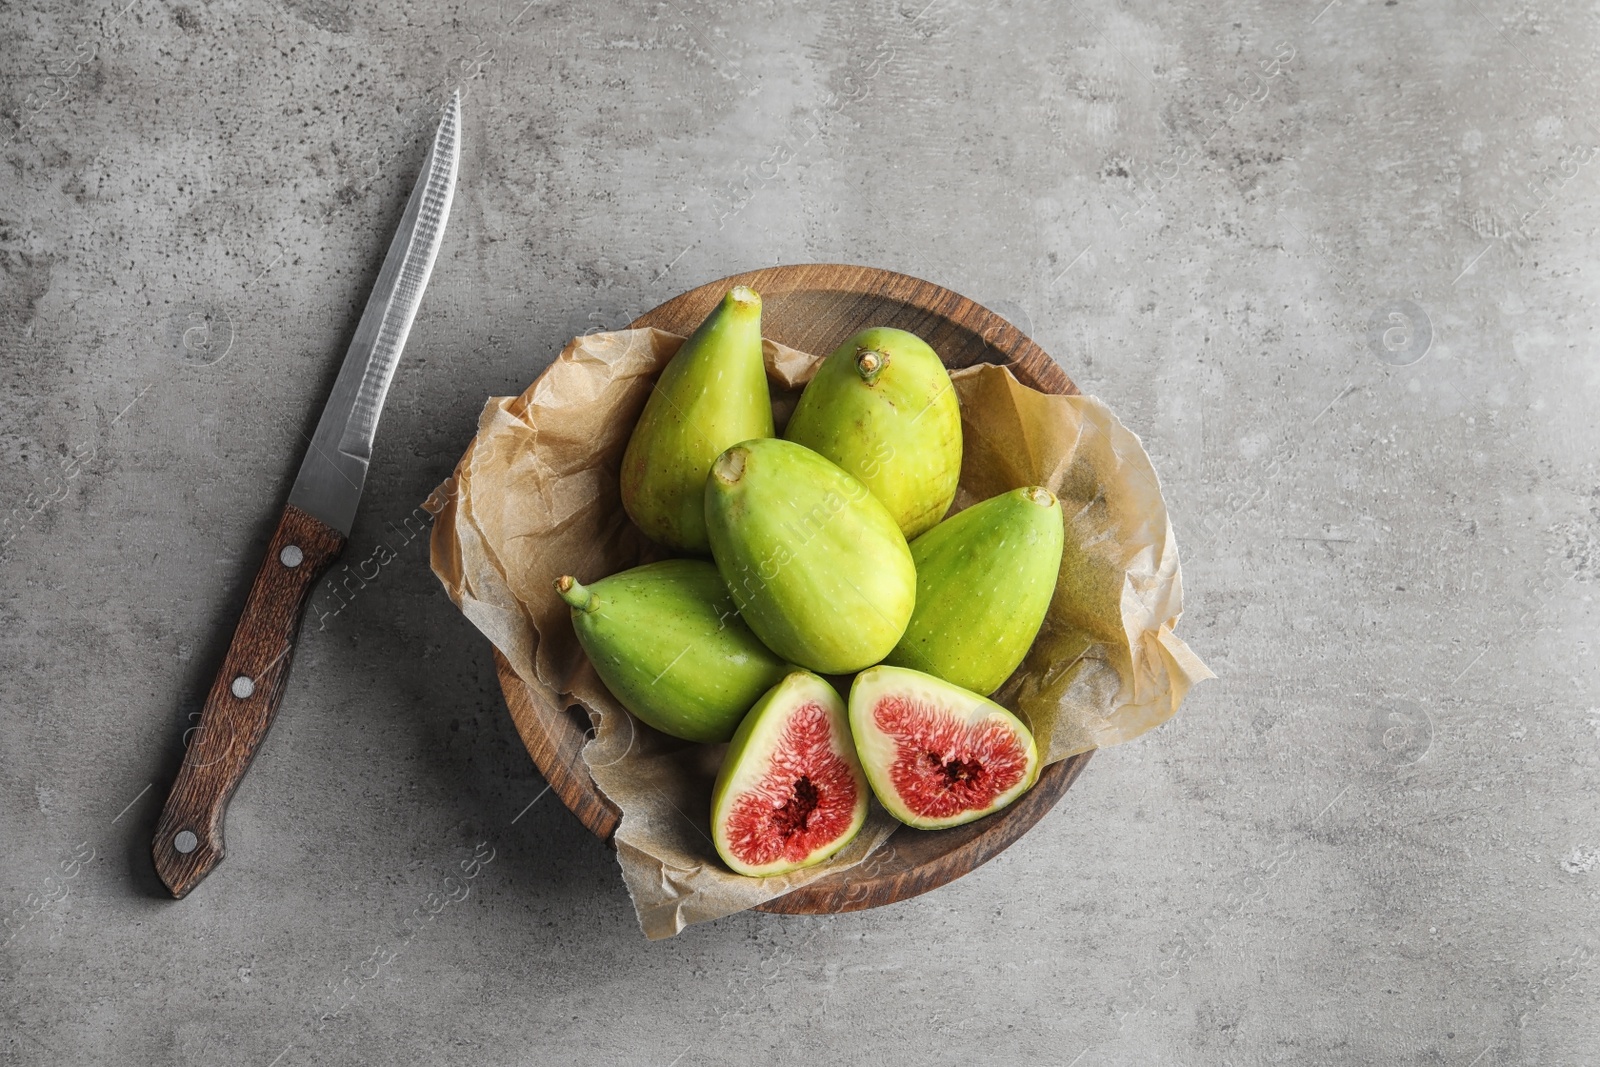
(814, 307)
(555, 737)
(232, 727)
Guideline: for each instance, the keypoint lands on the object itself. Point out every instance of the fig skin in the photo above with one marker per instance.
(666, 641)
(712, 394)
(985, 578)
(973, 717)
(816, 564)
(882, 407)
(749, 760)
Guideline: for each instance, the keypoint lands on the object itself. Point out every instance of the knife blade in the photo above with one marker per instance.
(312, 531)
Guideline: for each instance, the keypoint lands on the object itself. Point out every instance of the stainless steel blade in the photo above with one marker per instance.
(335, 467)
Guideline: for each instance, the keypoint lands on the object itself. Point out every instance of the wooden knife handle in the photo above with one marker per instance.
(243, 700)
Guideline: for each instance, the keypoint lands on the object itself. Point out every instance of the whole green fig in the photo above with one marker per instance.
(985, 577)
(666, 641)
(817, 566)
(712, 394)
(881, 406)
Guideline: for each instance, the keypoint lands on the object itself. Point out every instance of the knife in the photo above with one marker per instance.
(311, 533)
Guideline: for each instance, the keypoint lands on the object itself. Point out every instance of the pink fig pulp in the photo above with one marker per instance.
(938, 755)
(791, 792)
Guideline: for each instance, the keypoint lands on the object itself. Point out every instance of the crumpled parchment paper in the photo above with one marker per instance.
(536, 496)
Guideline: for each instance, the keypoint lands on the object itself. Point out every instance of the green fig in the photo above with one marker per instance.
(666, 641)
(882, 408)
(712, 394)
(985, 577)
(936, 754)
(817, 566)
(790, 792)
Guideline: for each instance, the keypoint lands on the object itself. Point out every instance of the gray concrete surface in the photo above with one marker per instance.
(1331, 262)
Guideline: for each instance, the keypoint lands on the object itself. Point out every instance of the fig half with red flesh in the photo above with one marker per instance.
(790, 792)
(938, 755)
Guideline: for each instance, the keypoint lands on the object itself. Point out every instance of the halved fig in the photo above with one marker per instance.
(790, 792)
(938, 755)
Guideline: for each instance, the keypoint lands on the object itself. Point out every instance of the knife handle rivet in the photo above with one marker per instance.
(185, 841)
(291, 556)
(242, 687)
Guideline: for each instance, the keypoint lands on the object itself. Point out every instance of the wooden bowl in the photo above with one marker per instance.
(814, 307)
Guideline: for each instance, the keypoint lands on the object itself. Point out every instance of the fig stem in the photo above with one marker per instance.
(576, 594)
(1040, 495)
(729, 467)
(870, 364)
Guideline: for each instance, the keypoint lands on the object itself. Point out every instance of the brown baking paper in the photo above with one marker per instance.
(536, 496)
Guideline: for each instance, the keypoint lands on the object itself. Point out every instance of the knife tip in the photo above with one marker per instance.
(450, 124)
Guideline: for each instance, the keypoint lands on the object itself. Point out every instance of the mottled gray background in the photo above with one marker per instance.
(1330, 262)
